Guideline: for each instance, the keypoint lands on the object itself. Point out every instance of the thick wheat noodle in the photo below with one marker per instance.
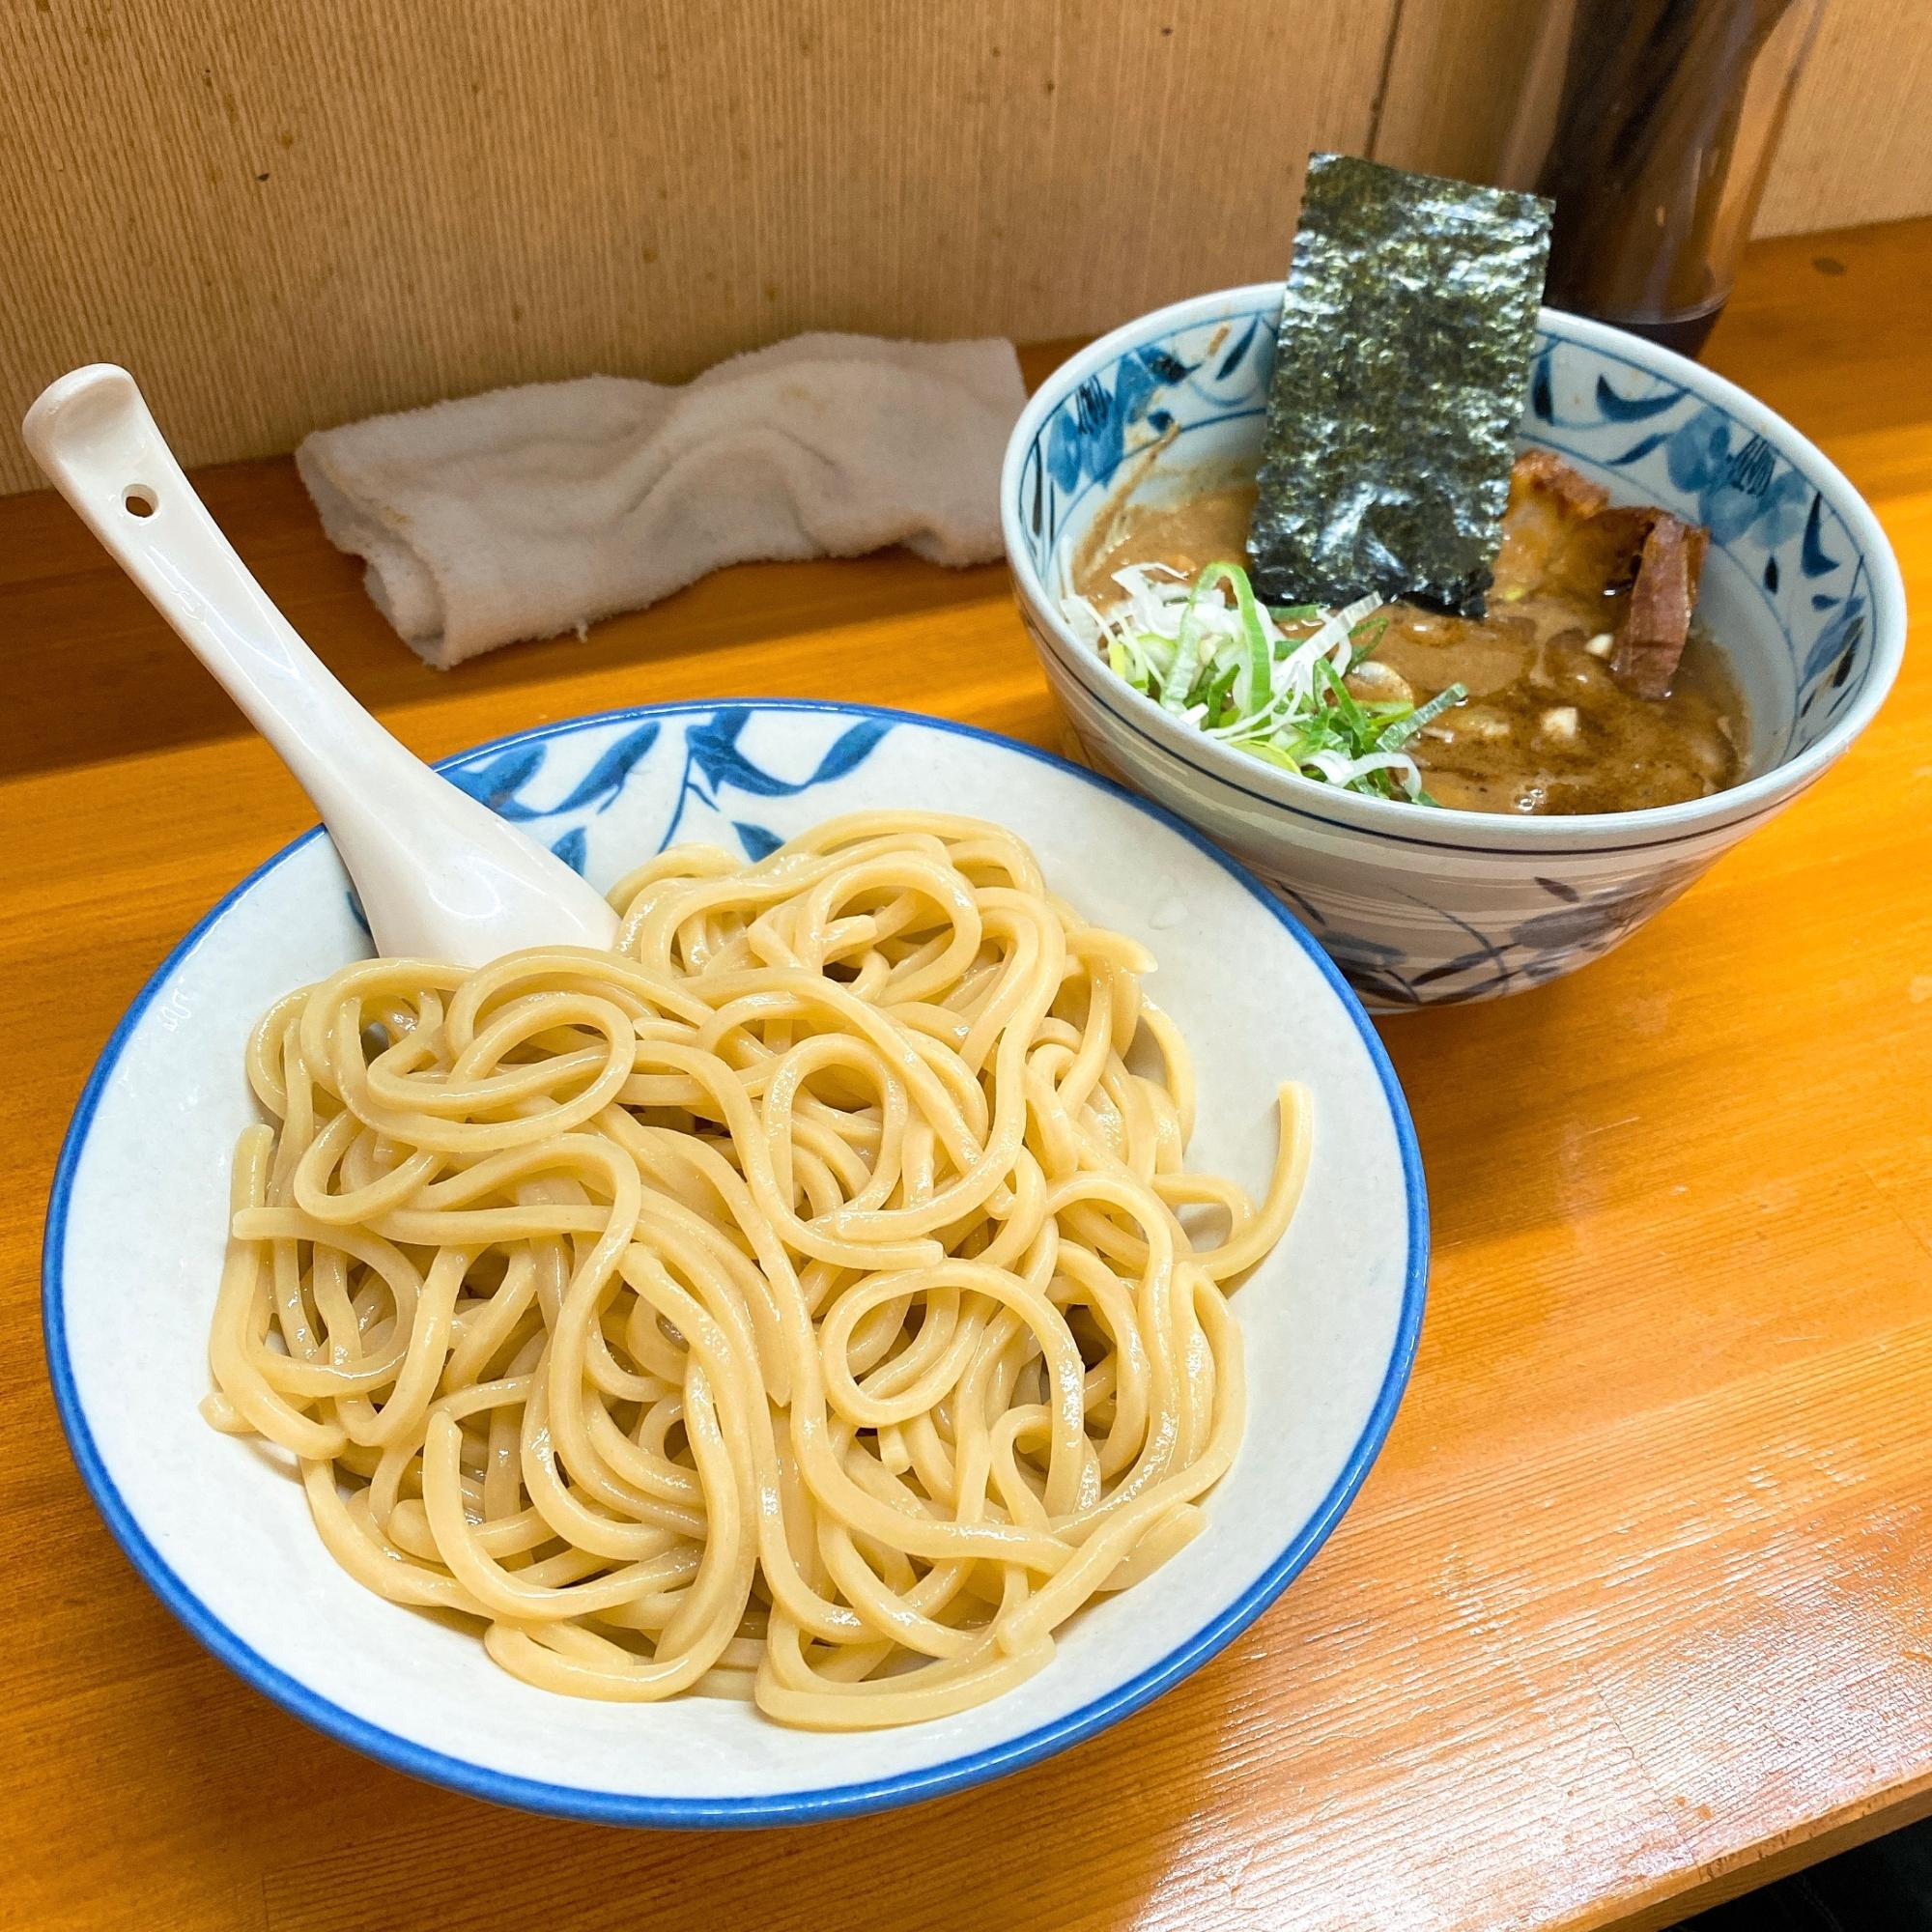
(794, 1304)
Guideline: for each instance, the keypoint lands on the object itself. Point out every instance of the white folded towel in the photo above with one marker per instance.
(525, 512)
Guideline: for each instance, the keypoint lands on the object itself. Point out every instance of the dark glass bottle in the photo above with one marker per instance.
(1651, 123)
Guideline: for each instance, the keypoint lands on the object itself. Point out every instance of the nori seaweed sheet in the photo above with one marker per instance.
(1399, 377)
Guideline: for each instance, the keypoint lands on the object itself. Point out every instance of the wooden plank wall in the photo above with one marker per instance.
(1859, 145)
(288, 212)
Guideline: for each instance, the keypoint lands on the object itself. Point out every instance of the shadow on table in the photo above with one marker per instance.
(1529, 1110)
(1085, 1837)
(1883, 1886)
(92, 672)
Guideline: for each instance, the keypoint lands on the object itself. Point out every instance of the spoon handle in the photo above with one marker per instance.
(439, 873)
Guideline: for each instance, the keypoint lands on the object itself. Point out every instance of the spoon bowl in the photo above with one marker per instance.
(440, 875)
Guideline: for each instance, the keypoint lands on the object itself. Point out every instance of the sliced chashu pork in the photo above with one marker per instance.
(1562, 536)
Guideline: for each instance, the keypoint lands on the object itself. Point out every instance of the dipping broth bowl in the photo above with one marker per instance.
(1424, 906)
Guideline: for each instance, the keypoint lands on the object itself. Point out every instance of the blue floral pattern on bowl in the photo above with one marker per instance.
(1571, 929)
(712, 765)
(1427, 908)
(1212, 377)
(704, 781)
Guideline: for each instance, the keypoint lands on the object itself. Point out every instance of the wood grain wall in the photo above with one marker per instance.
(1858, 144)
(288, 212)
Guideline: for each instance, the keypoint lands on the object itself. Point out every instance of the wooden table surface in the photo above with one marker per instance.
(1636, 1608)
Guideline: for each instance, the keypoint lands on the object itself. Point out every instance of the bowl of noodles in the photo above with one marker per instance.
(916, 1300)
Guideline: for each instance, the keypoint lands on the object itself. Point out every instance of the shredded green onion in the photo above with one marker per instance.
(1365, 637)
(1406, 727)
(1208, 652)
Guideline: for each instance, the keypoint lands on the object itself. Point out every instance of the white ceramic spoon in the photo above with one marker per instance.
(440, 875)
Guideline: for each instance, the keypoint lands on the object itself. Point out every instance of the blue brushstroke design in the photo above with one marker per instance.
(1641, 449)
(1164, 366)
(1836, 641)
(1062, 451)
(1813, 557)
(713, 748)
(1540, 401)
(603, 783)
(1246, 341)
(1134, 388)
(498, 783)
(1633, 409)
(573, 848)
(758, 840)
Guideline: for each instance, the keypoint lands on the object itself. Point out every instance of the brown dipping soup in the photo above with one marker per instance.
(1547, 727)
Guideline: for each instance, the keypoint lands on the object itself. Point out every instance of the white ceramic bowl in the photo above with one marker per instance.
(1423, 906)
(219, 1527)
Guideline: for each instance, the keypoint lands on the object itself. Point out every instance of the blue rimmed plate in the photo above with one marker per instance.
(218, 1526)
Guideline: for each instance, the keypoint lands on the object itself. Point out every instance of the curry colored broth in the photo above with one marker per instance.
(1546, 728)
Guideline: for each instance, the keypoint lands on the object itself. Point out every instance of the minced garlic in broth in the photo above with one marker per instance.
(1546, 728)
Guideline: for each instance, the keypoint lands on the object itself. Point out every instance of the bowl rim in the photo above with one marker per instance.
(973, 1767)
(1575, 833)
